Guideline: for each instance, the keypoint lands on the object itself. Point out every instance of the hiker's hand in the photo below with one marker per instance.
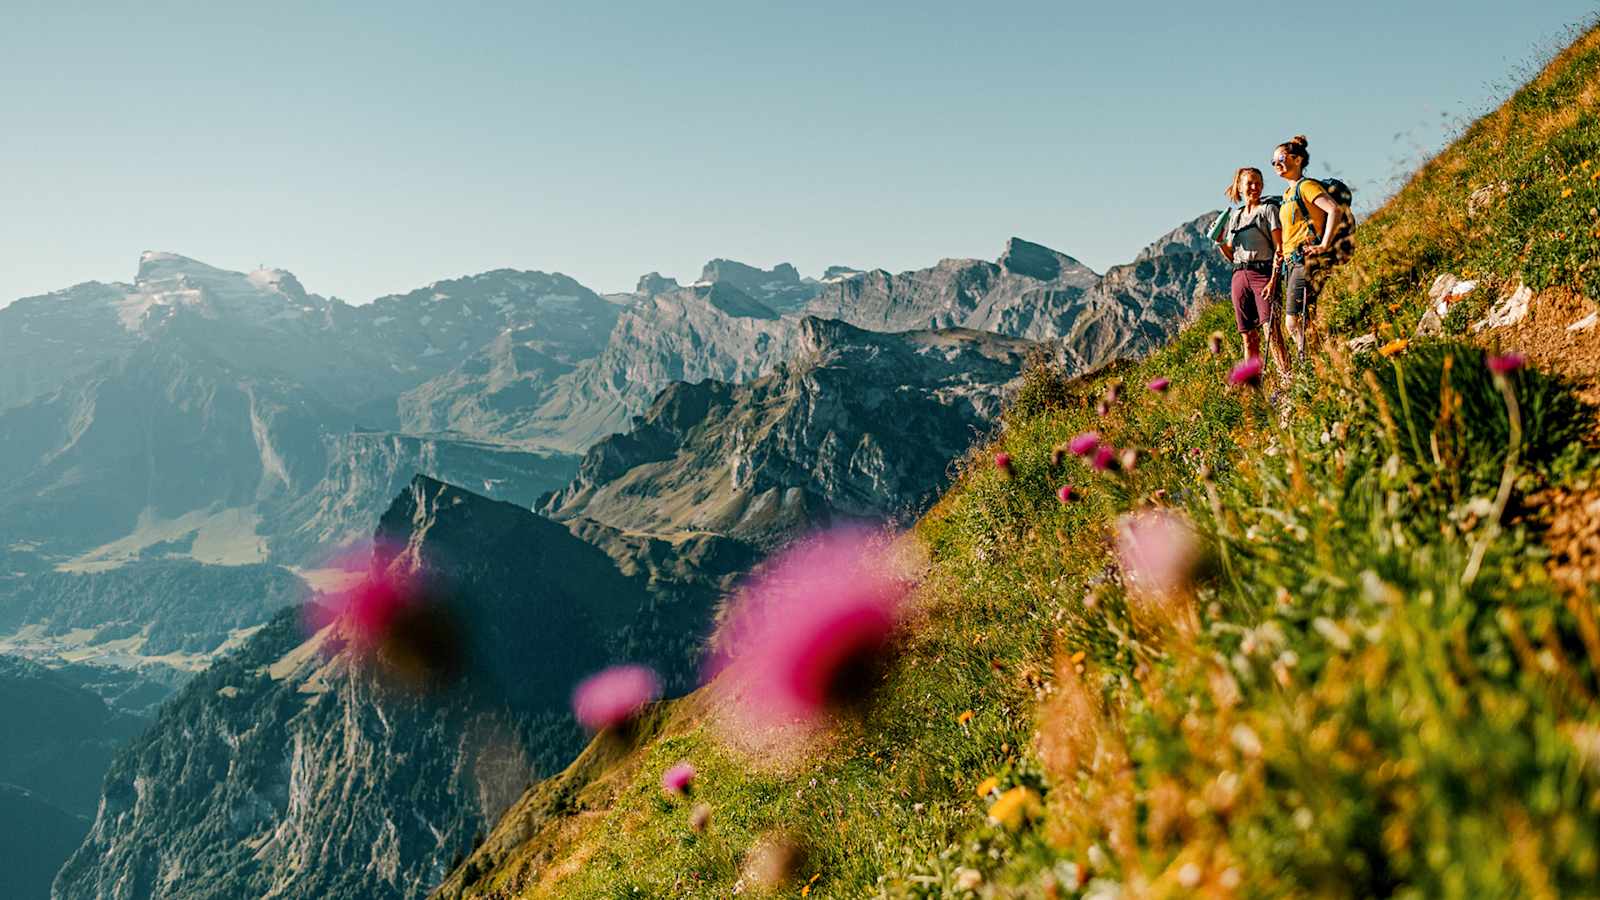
(1316, 250)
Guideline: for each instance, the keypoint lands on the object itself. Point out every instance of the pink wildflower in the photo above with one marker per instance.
(1084, 444)
(810, 632)
(1247, 372)
(1158, 550)
(1510, 362)
(613, 696)
(368, 607)
(1105, 457)
(1159, 385)
(676, 780)
(1064, 494)
(1002, 461)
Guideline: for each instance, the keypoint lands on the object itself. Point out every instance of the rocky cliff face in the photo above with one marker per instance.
(1040, 294)
(689, 334)
(293, 769)
(1018, 295)
(856, 425)
(780, 287)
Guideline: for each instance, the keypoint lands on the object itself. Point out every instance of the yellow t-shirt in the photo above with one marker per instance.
(1296, 230)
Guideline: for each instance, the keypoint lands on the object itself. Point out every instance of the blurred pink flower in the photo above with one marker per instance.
(1104, 458)
(1002, 461)
(1084, 444)
(677, 779)
(1158, 550)
(809, 633)
(1247, 372)
(370, 603)
(1510, 362)
(1159, 385)
(1064, 494)
(1130, 458)
(613, 696)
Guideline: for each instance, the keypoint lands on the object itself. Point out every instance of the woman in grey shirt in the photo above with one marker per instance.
(1251, 241)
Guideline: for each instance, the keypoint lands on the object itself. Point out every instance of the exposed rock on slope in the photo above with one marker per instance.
(689, 334)
(781, 287)
(367, 469)
(293, 770)
(1015, 295)
(855, 425)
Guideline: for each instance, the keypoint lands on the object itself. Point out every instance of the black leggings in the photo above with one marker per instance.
(1299, 294)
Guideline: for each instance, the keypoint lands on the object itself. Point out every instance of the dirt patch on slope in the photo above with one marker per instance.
(1568, 517)
(1544, 336)
(1571, 519)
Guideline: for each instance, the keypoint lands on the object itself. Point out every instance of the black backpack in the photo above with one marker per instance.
(1343, 245)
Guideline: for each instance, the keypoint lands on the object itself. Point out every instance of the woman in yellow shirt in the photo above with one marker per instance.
(1310, 218)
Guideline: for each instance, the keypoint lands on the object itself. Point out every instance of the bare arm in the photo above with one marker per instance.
(1329, 225)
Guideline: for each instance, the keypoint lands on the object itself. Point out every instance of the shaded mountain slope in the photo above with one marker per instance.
(294, 768)
(34, 838)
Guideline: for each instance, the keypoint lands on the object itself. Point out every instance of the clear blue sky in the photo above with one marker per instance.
(379, 146)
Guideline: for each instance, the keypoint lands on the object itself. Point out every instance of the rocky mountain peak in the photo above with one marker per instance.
(838, 273)
(157, 266)
(1190, 237)
(780, 287)
(1032, 260)
(737, 272)
(655, 283)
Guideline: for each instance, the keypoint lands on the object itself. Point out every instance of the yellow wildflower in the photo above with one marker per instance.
(1013, 807)
(965, 717)
(987, 785)
(1394, 347)
(1566, 193)
(1078, 657)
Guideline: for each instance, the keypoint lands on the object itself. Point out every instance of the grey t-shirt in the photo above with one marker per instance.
(1250, 233)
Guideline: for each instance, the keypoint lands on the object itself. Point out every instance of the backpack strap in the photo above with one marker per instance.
(1305, 213)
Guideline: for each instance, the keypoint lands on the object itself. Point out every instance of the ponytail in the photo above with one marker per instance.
(1233, 193)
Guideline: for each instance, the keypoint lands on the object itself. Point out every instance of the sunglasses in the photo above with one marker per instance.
(1280, 161)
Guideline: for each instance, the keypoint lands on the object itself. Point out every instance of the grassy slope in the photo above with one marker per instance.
(1334, 709)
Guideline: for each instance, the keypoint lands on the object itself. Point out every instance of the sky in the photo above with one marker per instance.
(376, 147)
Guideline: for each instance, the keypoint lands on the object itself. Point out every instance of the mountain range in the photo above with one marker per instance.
(190, 458)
